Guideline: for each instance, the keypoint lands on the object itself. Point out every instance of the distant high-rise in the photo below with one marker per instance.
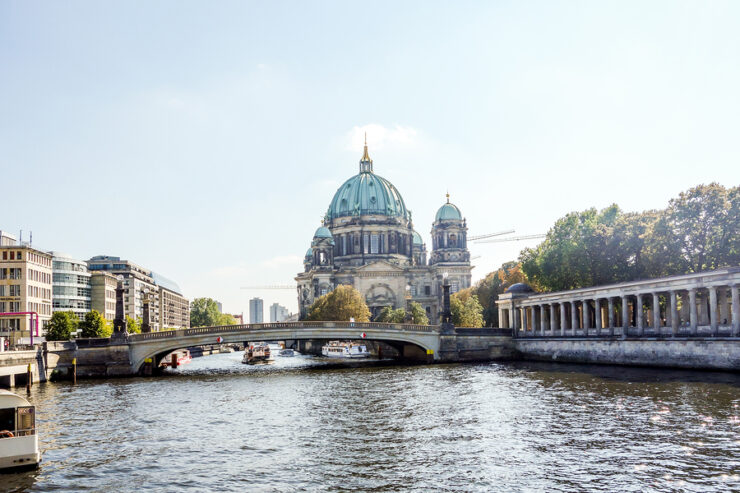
(256, 314)
(278, 313)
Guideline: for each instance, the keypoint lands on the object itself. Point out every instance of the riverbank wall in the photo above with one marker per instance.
(694, 354)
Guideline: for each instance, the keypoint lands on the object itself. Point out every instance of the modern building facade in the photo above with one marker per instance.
(367, 240)
(167, 308)
(25, 286)
(256, 311)
(103, 298)
(72, 289)
(278, 313)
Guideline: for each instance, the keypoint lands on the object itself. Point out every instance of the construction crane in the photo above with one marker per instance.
(490, 235)
(515, 238)
(270, 286)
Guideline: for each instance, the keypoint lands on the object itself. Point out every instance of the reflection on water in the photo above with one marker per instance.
(305, 423)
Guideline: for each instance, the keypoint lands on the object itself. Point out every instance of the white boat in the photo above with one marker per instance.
(256, 353)
(340, 349)
(19, 444)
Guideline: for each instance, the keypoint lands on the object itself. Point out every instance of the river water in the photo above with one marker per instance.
(305, 424)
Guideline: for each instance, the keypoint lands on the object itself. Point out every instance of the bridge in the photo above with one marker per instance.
(131, 354)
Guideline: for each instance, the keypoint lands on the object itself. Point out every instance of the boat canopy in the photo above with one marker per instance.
(9, 400)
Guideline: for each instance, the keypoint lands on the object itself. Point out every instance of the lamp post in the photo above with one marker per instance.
(408, 304)
(446, 313)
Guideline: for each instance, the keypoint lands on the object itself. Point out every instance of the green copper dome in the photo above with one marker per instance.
(417, 239)
(309, 253)
(448, 211)
(367, 193)
(323, 232)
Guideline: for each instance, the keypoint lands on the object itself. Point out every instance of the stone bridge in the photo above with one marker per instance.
(127, 354)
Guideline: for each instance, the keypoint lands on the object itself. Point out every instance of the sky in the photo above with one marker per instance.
(205, 140)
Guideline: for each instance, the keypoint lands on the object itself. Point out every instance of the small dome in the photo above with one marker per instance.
(323, 232)
(417, 239)
(520, 287)
(309, 253)
(448, 211)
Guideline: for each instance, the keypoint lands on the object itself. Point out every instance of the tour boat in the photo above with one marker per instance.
(176, 358)
(286, 352)
(256, 353)
(337, 349)
(19, 444)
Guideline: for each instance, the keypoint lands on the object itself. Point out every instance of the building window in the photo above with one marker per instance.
(454, 287)
(427, 290)
(412, 291)
(366, 243)
(2, 291)
(344, 244)
(374, 240)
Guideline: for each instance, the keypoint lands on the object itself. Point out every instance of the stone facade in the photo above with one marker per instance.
(367, 240)
(700, 304)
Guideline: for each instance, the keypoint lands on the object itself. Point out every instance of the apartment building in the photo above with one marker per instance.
(103, 298)
(25, 286)
(72, 291)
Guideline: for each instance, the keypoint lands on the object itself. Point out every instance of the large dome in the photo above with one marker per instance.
(367, 193)
(448, 211)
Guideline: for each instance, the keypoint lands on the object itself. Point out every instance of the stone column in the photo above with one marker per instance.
(656, 312)
(693, 315)
(515, 318)
(543, 320)
(639, 318)
(723, 310)
(573, 318)
(625, 315)
(563, 321)
(610, 315)
(713, 309)
(501, 318)
(586, 316)
(553, 319)
(735, 310)
(674, 312)
(597, 315)
(523, 318)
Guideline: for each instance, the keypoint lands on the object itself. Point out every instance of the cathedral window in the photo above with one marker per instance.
(453, 240)
(344, 244)
(412, 291)
(366, 243)
(427, 290)
(454, 287)
(374, 244)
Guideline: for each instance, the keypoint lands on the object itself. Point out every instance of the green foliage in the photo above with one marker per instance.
(225, 319)
(389, 315)
(494, 284)
(204, 313)
(343, 303)
(699, 230)
(417, 314)
(466, 309)
(133, 326)
(61, 326)
(94, 325)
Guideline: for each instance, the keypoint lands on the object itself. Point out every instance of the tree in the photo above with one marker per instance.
(94, 325)
(204, 313)
(133, 326)
(417, 314)
(61, 326)
(494, 284)
(466, 309)
(391, 316)
(226, 319)
(343, 303)
(700, 229)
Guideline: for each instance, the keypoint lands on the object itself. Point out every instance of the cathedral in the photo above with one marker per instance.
(367, 240)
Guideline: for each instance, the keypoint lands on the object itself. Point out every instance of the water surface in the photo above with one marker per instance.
(306, 424)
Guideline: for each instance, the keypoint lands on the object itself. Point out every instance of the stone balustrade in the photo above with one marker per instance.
(705, 304)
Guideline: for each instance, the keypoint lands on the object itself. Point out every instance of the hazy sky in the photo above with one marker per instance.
(205, 140)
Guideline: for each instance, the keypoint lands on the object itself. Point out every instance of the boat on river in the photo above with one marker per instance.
(19, 444)
(256, 353)
(176, 358)
(286, 352)
(344, 349)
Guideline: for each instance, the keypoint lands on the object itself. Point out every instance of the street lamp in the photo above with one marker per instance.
(446, 313)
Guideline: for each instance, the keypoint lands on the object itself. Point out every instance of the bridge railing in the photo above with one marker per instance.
(226, 329)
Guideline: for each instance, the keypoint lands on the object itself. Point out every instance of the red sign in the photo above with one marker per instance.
(363, 335)
(219, 339)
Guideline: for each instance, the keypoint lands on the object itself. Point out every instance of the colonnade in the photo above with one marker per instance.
(691, 311)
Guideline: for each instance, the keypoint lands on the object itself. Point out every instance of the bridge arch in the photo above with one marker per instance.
(158, 344)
